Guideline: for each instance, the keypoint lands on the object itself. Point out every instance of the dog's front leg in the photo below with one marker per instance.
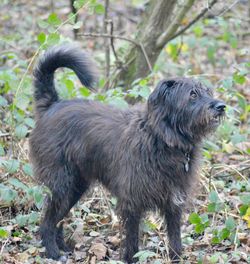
(173, 223)
(131, 222)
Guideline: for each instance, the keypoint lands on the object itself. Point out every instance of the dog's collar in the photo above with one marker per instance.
(186, 164)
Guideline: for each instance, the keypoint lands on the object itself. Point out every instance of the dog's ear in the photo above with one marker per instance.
(172, 137)
(160, 92)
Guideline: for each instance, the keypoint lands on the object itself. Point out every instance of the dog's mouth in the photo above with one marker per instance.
(216, 119)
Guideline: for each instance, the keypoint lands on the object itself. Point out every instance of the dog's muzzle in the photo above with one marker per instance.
(219, 111)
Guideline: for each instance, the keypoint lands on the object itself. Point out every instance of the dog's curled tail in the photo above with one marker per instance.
(69, 56)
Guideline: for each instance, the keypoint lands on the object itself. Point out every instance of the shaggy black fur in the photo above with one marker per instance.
(146, 156)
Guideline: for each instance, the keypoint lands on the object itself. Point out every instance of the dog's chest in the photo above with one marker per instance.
(171, 179)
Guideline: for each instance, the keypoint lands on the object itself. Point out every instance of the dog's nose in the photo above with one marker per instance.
(220, 107)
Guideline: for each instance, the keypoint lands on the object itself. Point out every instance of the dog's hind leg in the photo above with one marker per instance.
(75, 197)
(64, 195)
(48, 230)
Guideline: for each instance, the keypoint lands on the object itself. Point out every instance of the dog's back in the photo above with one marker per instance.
(78, 134)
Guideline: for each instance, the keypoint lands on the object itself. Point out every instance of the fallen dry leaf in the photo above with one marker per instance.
(114, 240)
(79, 255)
(99, 250)
(22, 257)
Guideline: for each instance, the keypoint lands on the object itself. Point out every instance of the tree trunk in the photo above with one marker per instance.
(159, 23)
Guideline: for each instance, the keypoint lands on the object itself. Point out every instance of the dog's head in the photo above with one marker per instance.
(183, 111)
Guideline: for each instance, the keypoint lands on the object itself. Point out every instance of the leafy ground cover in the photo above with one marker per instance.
(215, 50)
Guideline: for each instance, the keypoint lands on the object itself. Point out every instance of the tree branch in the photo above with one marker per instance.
(106, 41)
(112, 40)
(139, 45)
(96, 35)
(164, 37)
(199, 16)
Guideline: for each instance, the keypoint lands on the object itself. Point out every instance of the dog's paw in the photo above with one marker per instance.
(63, 258)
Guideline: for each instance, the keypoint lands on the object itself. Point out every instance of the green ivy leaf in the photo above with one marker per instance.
(194, 218)
(213, 197)
(41, 37)
(238, 78)
(233, 42)
(3, 101)
(3, 233)
(29, 122)
(71, 18)
(204, 219)
(243, 209)
(38, 197)
(53, 39)
(241, 101)
(117, 101)
(198, 31)
(11, 165)
(227, 83)
(7, 194)
(84, 91)
(79, 3)
(230, 223)
(144, 92)
(53, 20)
(215, 240)
(28, 169)
(69, 84)
(22, 220)
(22, 101)
(199, 228)
(211, 53)
(2, 152)
(214, 258)
(33, 218)
(21, 131)
(225, 233)
(42, 24)
(245, 199)
(18, 184)
(99, 9)
(144, 255)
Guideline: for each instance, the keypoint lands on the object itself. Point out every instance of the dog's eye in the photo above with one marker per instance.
(193, 95)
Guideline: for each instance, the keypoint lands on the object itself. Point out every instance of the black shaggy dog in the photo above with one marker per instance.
(146, 156)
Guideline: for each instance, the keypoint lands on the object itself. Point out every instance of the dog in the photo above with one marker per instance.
(147, 156)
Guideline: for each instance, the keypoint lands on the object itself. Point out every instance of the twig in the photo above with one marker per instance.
(199, 16)
(235, 238)
(3, 245)
(112, 40)
(227, 9)
(124, 15)
(179, 49)
(146, 57)
(4, 135)
(94, 35)
(8, 51)
(74, 11)
(107, 49)
(97, 35)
